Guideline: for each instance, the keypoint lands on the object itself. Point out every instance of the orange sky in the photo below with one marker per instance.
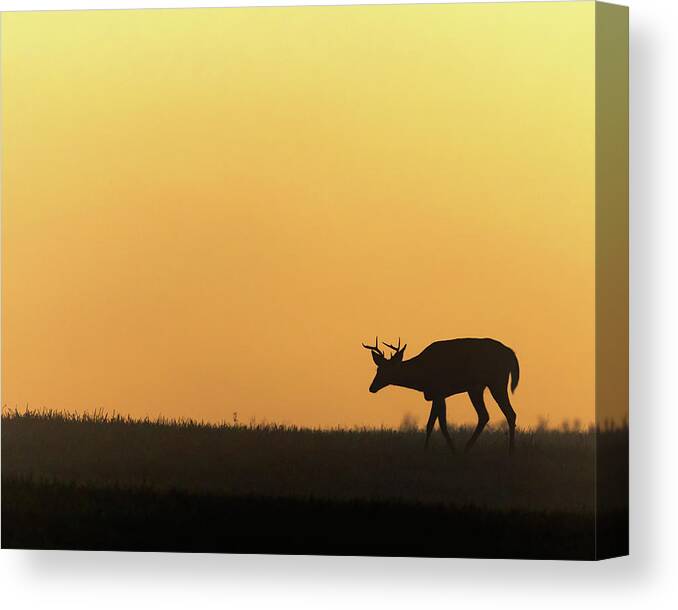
(206, 211)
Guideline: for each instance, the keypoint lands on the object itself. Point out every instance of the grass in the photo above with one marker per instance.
(87, 481)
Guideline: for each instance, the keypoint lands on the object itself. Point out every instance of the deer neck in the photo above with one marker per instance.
(407, 377)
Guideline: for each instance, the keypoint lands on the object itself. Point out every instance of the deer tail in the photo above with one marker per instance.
(514, 370)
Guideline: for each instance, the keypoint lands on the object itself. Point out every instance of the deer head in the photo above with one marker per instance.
(387, 368)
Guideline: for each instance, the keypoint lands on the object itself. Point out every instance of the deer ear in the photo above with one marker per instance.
(378, 358)
(398, 356)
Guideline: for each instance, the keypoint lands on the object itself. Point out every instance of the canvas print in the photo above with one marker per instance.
(319, 280)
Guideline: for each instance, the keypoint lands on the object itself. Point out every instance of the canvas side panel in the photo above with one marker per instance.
(612, 280)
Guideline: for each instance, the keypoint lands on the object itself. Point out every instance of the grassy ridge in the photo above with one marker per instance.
(102, 482)
(552, 470)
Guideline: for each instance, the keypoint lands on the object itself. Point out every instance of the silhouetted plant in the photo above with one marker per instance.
(409, 423)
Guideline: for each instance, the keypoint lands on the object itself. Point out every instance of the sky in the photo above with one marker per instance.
(206, 211)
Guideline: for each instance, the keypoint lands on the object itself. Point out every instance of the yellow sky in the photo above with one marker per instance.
(206, 211)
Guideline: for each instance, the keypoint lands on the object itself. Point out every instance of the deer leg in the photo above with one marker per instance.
(500, 394)
(442, 421)
(476, 396)
(431, 421)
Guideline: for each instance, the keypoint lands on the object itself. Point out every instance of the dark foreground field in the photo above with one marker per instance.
(96, 483)
(67, 516)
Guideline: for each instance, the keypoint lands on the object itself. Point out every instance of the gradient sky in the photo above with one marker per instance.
(206, 211)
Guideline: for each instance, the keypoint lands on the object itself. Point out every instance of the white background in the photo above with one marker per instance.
(647, 577)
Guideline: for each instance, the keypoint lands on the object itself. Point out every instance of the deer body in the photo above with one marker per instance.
(451, 367)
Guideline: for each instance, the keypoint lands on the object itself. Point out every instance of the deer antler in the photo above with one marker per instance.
(375, 347)
(395, 349)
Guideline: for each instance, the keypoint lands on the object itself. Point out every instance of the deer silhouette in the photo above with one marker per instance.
(451, 367)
